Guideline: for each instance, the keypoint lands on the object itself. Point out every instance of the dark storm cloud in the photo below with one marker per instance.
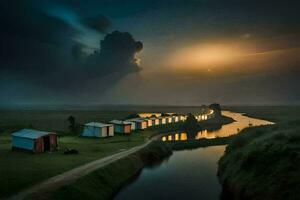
(46, 45)
(31, 41)
(99, 23)
(77, 51)
(40, 49)
(22, 19)
(117, 49)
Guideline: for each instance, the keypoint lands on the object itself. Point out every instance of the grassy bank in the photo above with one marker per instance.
(19, 170)
(105, 182)
(264, 162)
(22, 169)
(55, 119)
(110, 178)
(275, 114)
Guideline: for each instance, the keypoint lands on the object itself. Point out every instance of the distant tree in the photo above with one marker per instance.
(153, 115)
(191, 123)
(217, 108)
(72, 125)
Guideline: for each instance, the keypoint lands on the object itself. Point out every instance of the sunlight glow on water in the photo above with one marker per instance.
(187, 174)
(226, 130)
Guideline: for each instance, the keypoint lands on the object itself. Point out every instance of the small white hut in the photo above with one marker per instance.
(155, 121)
(149, 122)
(169, 120)
(97, 129)
(140, 123)
(175, 118)
(121, 126)
(162, 120)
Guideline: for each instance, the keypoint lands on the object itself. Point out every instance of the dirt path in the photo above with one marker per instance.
(72, 175)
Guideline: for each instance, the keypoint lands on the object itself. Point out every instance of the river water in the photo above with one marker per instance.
(187, 174)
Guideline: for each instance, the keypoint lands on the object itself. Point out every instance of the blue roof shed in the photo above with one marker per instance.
(34, 140)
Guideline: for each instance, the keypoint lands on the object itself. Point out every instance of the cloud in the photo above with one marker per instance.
(23, 19)
(40, 49)
(117, 53)
(99, 23)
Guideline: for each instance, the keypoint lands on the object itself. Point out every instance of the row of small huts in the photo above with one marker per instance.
(97, 129)
(39, 141)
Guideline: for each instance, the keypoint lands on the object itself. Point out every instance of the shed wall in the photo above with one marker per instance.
(118, 128)
(38, 145)
(53, 142)
(23, 143)
(91, 131)
(144, 125)
(127, 128)
(110, 131)
(133, 126)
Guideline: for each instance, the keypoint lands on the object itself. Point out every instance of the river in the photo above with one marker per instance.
(187, 174)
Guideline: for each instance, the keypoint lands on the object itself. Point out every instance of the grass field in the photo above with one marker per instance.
(22, 169)
(264, 162)
(56, 120)
(271, 113)
(19, 170)
(110, 178)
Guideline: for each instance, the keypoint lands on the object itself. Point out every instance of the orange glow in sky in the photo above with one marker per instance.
(205, 56)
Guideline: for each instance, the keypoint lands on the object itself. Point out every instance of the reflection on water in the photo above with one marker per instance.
(240, 123)
(176, 137)
(205, 134)
(188, 174)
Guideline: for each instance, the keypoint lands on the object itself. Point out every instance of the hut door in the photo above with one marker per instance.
(107, 130)
(47, 143)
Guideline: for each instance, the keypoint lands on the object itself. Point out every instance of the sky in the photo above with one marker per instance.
(172, 52)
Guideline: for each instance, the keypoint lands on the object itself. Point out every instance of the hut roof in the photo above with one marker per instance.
(30, 133)
(136, 120)
(115, 121)
(97, 124)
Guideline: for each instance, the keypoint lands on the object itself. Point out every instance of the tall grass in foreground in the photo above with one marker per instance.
(263, 163)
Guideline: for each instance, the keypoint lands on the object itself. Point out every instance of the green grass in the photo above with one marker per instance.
(271, 113)
(105, 182)
(19, 170)
(264, 162)
(56, 120)
(22, 169)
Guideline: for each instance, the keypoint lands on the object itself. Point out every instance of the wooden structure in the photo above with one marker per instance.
(121, 126)
(34, 140)
(97, 129)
